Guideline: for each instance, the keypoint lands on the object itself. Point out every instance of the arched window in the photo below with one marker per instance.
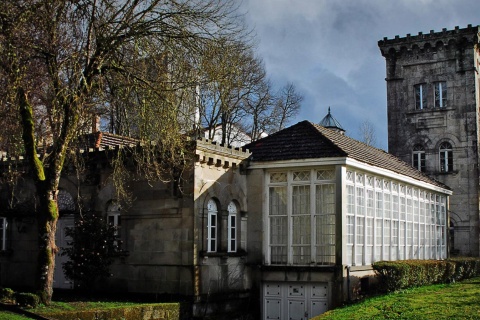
(65, 201)
(418, 158)
(114, 219)
(212, 226)
(232, 227)
(446, 157)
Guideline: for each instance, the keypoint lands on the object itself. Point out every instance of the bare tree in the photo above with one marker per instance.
(259, 106)
(287, 106)
(230, 74)
(366, 132)
(62, 61)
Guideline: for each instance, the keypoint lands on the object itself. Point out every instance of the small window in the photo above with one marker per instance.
(446, 157)
(421, 96)
(418, 158)
(440, 94)
(232, 227)
(212, 226)
(3, 233)
(114, 220)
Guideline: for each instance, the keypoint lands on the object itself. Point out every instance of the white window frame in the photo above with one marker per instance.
(212, 228)
(446, 156)
(418, 158)
(320, 251)
(420, 91)
(440, 94)
(414, 221)
(232, 227)
(3, 233)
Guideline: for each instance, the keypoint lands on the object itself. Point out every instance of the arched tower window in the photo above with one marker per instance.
(446, 157)
(212, 226)
(418, 158)
(232, 227)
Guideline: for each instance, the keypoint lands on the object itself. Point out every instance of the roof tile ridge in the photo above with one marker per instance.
(318, 128)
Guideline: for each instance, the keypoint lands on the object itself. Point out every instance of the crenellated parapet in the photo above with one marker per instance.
(214, 154)
(467, 37)
(446, 44)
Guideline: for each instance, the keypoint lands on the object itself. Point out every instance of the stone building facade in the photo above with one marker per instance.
(188, 245)
(433, 118)
(285, 229)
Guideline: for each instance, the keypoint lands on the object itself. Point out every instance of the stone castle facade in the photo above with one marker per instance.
(433, 118)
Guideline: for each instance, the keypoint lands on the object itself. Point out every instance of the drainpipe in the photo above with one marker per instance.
(349, 296)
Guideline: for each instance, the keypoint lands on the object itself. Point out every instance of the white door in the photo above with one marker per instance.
(294, 300)
(61, 239)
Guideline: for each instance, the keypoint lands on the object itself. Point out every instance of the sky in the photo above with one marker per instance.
(328, 50)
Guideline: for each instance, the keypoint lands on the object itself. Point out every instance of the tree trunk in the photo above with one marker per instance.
(47, 213)
(47, 217)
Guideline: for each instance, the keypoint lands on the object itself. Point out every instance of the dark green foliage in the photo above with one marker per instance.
(7, 295)
(86, 310)
(91, 251)
(26, 299)
(466, 268)
(396, 275)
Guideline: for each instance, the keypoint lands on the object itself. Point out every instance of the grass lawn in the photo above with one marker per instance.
(5, 315)
(444, 301)
(58, 307)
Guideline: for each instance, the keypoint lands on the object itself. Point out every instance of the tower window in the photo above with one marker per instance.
(446, 157)
(441, 94)
(418, 158)
(421, 96)
(212, 226)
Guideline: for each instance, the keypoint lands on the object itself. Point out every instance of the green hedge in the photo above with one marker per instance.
(395, 275)
(26, 299)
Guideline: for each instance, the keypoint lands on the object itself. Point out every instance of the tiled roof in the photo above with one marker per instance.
(306, 140)
(104, 140)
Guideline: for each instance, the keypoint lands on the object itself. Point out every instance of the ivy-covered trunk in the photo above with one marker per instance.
(46, 179)
(47, 217)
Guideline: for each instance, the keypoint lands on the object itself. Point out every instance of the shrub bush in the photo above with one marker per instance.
(395, 275)
(465, 268)
(25, 299)
(7, 295)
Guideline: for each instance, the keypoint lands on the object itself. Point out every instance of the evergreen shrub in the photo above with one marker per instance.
(7, 295)
(26, 299)
(396, 275)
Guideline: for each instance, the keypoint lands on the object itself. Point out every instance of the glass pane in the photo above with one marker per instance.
(212, 233)
(301, 200)
(301, 176)
(278, 230)
(325, 174)
(301, 230)
(278, 177)
(278, 201)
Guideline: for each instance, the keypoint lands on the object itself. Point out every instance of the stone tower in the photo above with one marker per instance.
(433, 118)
